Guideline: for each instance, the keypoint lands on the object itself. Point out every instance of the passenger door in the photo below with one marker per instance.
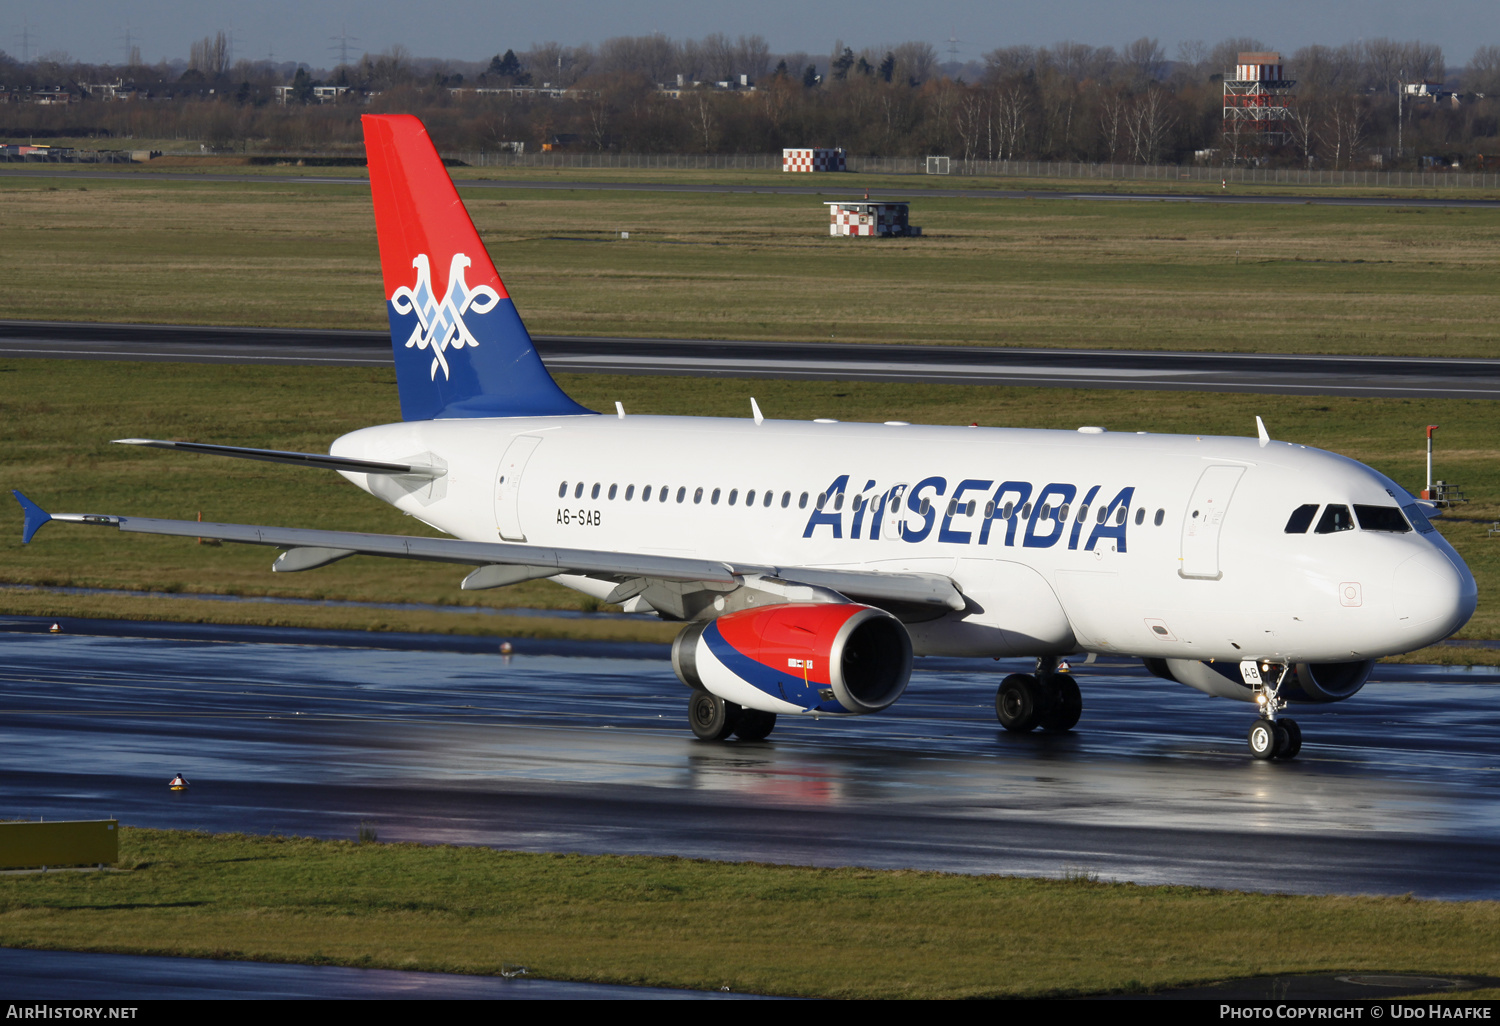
(1204, 520)
(508, 486)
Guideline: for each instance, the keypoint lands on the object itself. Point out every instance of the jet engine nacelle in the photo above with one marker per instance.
(798, 658)
(1314, 683)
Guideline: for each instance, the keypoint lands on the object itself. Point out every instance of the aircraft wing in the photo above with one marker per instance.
(507, 562)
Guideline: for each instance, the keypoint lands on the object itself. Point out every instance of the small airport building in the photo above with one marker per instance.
(813, 159)
(869, 217)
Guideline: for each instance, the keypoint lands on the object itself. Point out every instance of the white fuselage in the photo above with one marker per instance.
(1200, 568)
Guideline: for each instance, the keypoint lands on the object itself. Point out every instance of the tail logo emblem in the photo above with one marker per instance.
(441, 324)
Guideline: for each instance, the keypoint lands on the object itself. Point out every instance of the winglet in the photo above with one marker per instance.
(35, 517)
(1260, 429)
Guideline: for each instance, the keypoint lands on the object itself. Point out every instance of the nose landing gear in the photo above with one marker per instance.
(1269, 737)
(1049, 699)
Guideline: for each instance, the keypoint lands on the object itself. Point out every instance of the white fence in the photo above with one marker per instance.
(995, 168)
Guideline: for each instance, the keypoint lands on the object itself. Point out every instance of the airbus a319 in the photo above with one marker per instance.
(810, 561)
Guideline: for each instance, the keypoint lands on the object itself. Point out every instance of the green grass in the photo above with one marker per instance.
(62, 414)
(1298, 278)
(696, 924)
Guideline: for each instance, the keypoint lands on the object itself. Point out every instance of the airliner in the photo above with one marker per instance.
(809, 562)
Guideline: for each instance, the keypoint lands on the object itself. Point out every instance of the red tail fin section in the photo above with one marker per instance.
(461, 349)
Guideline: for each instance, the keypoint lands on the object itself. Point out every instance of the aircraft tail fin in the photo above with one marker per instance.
(461, 349)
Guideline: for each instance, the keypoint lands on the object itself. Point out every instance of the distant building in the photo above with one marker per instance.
(870, 218)
(813, 159)
(1257, 99)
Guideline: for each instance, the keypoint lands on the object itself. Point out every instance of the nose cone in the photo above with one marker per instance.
(1434, 596)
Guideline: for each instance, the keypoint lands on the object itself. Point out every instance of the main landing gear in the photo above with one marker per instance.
(1048, 699)
(714, 719)
(1269, 737)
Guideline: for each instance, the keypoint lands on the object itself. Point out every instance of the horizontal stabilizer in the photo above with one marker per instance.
(299, 459)
(35, 517)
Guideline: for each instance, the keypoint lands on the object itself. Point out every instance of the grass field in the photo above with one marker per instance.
(750, 928)
(1298, 278)
(62, 414)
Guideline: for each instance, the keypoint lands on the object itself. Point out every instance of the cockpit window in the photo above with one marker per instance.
(1418, 518)
(1381, 518)
(1334, 518)
(1301, 518)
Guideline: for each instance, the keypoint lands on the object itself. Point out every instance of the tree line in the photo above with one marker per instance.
(652, 94)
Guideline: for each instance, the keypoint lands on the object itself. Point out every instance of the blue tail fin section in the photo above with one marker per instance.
(35, 517)
(461, 349)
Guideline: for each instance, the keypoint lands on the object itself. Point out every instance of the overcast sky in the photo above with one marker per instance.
(95, 30)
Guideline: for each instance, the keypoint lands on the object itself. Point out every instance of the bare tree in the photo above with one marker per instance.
(1148, 120)
(1226, 52)
(1305, 117)
(210, 55)
(752, 56)
(1008, 62)
(915, 62)
(1144, 62)
(718, 56)
(1343, 129)
(972, 118)
(1112, 113)
(1319, 70)
(1483, 74)
(1009, 109)
(705, 118)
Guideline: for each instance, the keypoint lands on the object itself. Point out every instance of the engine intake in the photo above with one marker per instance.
(798, 657)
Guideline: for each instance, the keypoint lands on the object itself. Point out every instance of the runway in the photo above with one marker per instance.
(831, 185)
(1401, 377)
(1396, 791)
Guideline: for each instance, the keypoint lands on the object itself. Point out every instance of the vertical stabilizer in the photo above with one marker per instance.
(461, 349)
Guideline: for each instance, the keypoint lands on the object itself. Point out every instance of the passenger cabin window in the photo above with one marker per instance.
(1120, 516)
(1381, 518)
(786, 499)
(1334, 518)
(629, 492)
(750, 497)
(614, 490)
(1161, 515)
(681, 493)
(578, 492)
(562, 490)
(1026, 512)
(925, 508)
(697, 496)
(734, 494)
(1418, 518)
(713, 500)
(769, 496)
(595, 493)
(1301, 518)
(646, 494)
(802, 502)
(1140, 516)
(663, 492)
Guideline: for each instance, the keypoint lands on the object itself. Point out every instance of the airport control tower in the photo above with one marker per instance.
(1257, 113)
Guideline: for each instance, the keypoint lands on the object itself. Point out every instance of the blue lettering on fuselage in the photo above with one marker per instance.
(1048, 523)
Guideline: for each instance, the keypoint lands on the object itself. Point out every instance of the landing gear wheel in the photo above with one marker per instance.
(1067, 705)
(755, 725)
(1293, 743)
(1264, 739)
(712, 718)
(1018, 702)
